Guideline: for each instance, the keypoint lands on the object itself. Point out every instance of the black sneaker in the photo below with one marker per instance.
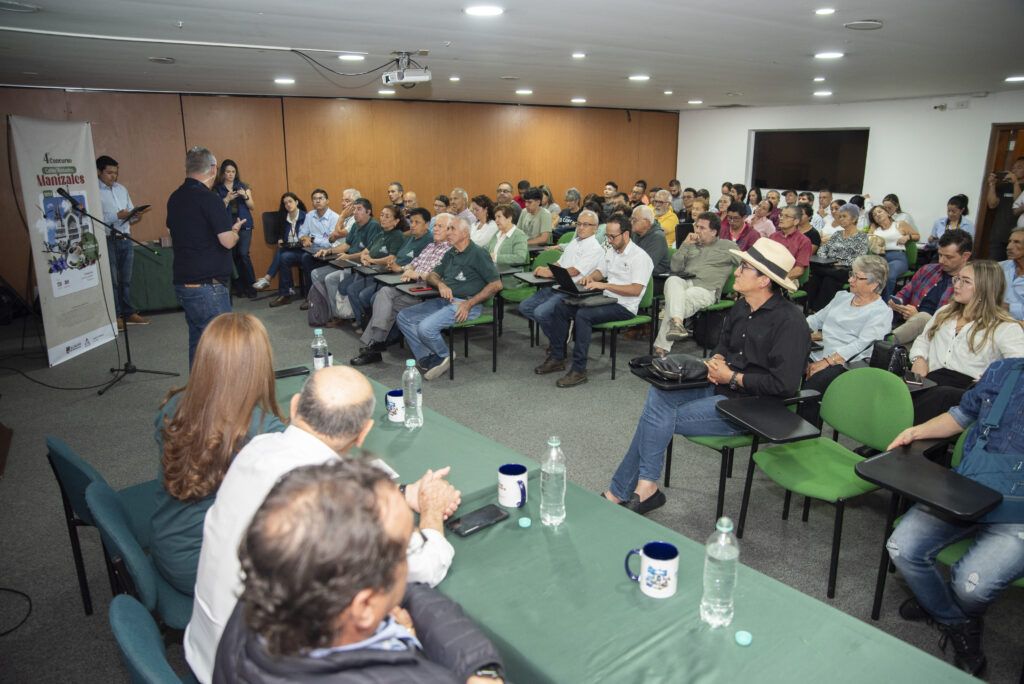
(966, 639)
(911, 610)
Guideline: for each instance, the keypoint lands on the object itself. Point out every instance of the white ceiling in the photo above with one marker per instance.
(738, 53)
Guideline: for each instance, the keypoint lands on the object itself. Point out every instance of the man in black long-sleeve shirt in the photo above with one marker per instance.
(762, 352)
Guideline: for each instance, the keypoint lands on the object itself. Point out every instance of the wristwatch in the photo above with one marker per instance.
(732, 381)
(489, 671)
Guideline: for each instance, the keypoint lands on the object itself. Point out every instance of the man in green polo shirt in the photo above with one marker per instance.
(465, 278)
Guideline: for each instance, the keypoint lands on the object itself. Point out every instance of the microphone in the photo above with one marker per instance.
(74, 203)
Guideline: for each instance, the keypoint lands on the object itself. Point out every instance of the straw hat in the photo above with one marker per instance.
(772, 259)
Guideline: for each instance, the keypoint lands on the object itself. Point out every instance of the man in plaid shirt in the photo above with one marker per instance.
(931, 287)
(390, 300)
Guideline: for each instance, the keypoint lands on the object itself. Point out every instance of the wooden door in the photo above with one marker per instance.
(1006, 144)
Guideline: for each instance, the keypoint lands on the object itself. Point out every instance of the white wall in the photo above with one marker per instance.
(923, 155)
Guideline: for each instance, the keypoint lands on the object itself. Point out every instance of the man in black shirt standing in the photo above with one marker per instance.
(762, 352)
(203, 237)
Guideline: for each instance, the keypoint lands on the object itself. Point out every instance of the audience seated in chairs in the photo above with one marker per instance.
(735, 227)
(535, 221)
(508, 245)
(1013, 272)
(706, 261)
(796, 242)
(763, 352)
(663, 214)
(847, 328)
(931, 286)
(956, 217)
(895, 234)
(963, 338)
(199, 430)
(363, 232)
(566, 222)
(842, 248)
(484, 227)
(649, 237)
(326, 597)
(380, 252)
(293, 213)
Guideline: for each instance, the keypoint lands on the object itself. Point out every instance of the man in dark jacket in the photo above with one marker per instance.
(325, 575)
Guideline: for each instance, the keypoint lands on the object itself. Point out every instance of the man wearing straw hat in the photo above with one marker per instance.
(762, 352)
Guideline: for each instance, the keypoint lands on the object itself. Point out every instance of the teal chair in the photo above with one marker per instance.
(134, 572)
(871, 406)
(141, 643)
(640, 319)
(73, 476)
(486, 317)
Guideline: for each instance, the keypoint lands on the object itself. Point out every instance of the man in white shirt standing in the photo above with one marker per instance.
(623, 276)
(331, 416)
(117, 206)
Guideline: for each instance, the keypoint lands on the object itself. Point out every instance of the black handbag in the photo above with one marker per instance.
(680, 368)
(890, 356)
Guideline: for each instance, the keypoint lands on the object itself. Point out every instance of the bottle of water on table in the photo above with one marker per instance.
(720, 564)
(412, 395)
(320, 355)
(552, 484)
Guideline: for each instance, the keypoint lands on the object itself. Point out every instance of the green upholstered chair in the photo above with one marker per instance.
(487, 317)
(73, 476)
(726, 447)
(800, 296)
(869, 405)
(723, 304)
(640, 319)
(141, 643)
(134, 572)
(911, 263)
(519, 295)
(566, 238)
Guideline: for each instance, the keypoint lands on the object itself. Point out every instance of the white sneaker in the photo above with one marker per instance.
(438, 370)
(261, 284)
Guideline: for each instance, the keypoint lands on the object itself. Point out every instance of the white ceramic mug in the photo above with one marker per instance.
(395, 403)
(659, 569)
(512, 479)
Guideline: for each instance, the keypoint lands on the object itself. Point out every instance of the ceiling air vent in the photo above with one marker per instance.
(863, 25)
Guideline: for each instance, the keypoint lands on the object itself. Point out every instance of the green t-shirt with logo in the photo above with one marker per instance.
(411, 247)
(386, 244)
(467, 272)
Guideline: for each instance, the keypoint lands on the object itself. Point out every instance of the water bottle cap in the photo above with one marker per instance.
(318, 331)
(554, 441)
(724, 524)
(410, 363)
(744, 638)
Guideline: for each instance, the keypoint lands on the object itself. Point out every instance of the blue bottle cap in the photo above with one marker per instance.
(525, 522)
(743, 637)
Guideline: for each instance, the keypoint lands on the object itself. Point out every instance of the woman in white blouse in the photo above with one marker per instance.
(963, 338)
(896, 235)
(484, 228)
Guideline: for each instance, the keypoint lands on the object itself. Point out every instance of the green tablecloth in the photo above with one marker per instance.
(474, 458)
(152, 286)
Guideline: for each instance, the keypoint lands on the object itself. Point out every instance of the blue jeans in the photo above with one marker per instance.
(122, 258)
(540, 307)
(202, 303)
(288, 259)
(898, 265)
(557, 328)
(681, 412)
(243, 263)
(424, 324)
(995, 559)
(360, 290)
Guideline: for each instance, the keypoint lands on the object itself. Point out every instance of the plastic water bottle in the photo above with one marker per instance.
(412, 395)
(320, 357)
(552, 484)
(720, 563)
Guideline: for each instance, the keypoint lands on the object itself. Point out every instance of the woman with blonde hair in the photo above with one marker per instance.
(228, 400)
(963, 338)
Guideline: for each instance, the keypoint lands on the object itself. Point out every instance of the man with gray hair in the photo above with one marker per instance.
(203, 236)
(663, 214)
(330, 416)
(566, 222)
(460, 205)
(346, 216)
(466, 277)
(650, 237)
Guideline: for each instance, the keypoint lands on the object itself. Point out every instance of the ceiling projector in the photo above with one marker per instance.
(402, 76)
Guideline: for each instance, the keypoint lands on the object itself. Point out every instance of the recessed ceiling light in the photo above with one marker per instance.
(1014, 79)
(385, 91)
(695, 102)
(828, 55)
(819, 79)
(822, 93)
(579, 100)
(351, 58)
(19, 7)
(524, 91)
(579, 55)
(484, 11)
(161, 60)
(284, 81)
(824, 11)
(668, 92)
(454, 79)
(639, 77)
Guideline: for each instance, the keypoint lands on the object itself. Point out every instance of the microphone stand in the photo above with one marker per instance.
(128, 368)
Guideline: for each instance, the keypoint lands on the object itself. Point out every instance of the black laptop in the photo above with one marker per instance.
(566, 284)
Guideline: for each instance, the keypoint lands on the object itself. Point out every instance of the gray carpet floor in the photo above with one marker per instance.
(58, 643)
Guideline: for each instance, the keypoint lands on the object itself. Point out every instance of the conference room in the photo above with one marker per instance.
(569, 96)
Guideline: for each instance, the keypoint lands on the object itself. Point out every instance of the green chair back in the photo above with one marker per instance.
(648, 298)
(566, 238)
(548, 256)
(140, 641)
(727, 288)
(73, 474)
(870, 405)
(958, 449)
(911, 254)
(802, 280)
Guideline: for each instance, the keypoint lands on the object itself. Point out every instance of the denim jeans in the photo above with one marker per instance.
(585, 317)
(898, 265)
(360, 290)
(122, 258)
(995, 559)
(541, 305)
(288, 259)
(202, 303)
(681, 412)
(243, 263)
(424, 324)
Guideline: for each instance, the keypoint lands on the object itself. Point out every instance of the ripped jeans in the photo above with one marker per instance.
(994, 560)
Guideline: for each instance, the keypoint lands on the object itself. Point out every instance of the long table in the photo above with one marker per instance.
(557, 603)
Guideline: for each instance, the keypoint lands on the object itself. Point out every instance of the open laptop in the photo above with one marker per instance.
(566, 284)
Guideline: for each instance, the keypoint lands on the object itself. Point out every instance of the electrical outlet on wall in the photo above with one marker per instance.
(960, 104)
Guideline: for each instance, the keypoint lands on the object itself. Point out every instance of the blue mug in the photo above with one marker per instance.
(512, 478)
(659, 569)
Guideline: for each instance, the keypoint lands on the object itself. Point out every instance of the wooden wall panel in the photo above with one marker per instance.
(248, 130)
(144, 133)
(14, 257)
